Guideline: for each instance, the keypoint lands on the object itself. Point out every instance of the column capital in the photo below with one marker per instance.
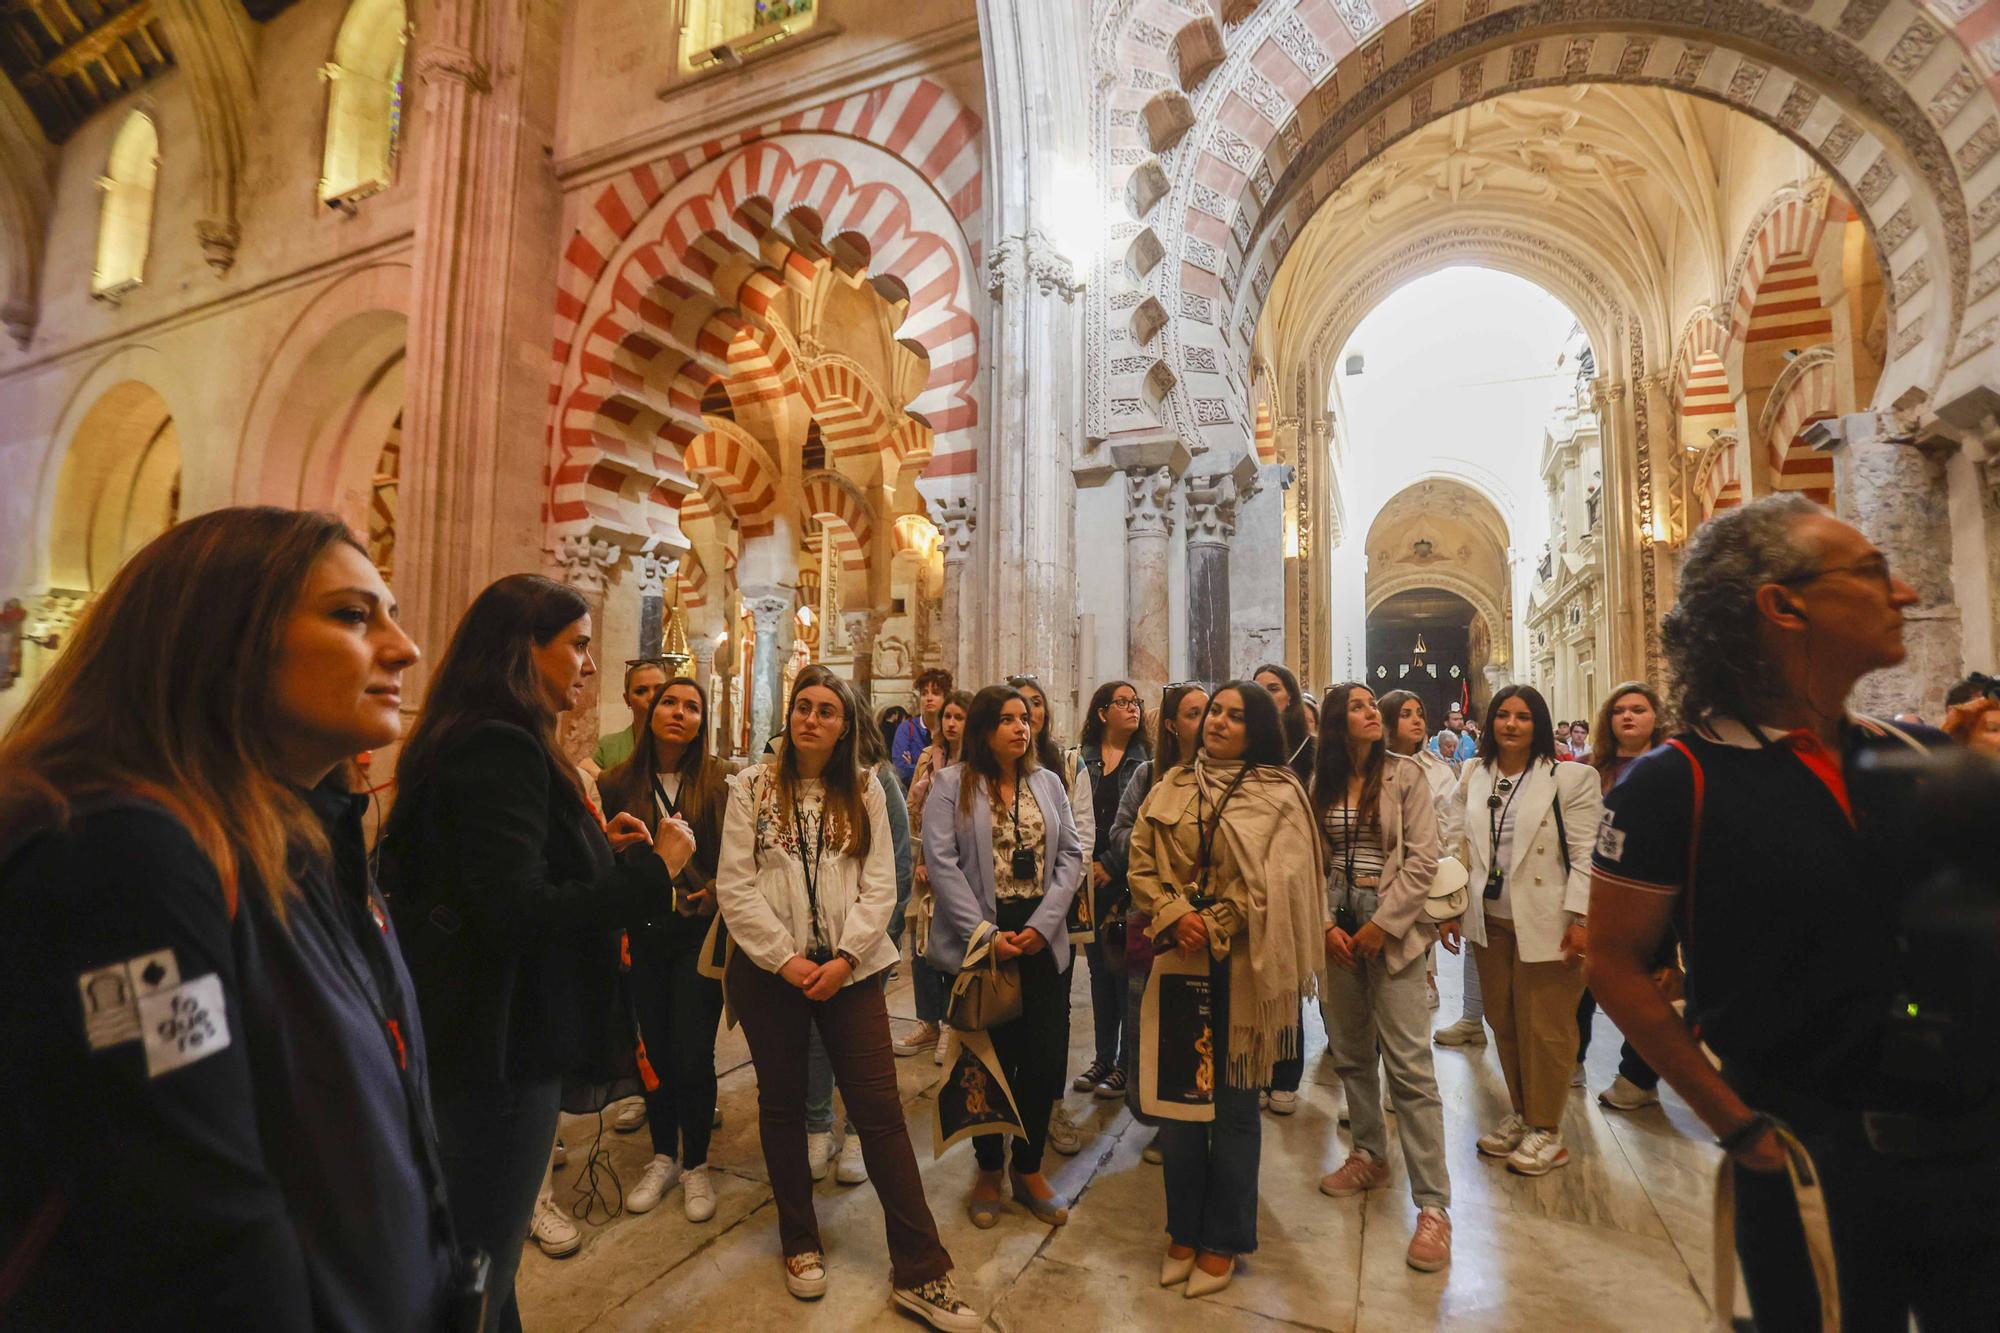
(957, 517)
(584, 561)
(1212, 500)
(1149, 502)
(861, 627)
(654, 569)
(1149, 452)
(768, 605)
(1030, 257)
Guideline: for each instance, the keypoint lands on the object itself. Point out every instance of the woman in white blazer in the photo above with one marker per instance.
(1528, 820)
(1001, 848)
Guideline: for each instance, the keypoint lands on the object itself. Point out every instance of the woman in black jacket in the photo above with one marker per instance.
(215, 1102)
(509, 899)
(672, 774)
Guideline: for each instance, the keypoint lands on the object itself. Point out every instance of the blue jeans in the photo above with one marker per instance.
(819, 1087)
(495, 1148)
(1107, 1006)
(928, 988)
(1211, 1169)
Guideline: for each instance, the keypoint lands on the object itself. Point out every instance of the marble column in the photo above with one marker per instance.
(861, 627)
(1038, 121)
(957, 524)
(585, 565)
(488, 219)
(701, 666)
(1211, 526)
(1898, 495)
(1151, 468)
(771, 612)
(652, 569)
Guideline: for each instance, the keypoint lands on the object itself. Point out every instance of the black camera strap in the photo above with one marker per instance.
(810, 869)
(1497, 815)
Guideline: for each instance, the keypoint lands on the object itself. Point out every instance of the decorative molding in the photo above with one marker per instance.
(956, 520)
(1033, 257)
(585, 562)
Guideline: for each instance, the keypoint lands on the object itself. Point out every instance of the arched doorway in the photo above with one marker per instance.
(1433, 643)
(1438, 569)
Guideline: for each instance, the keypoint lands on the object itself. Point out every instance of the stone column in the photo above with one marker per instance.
(652, 569)
(1150, 468)
(585, 566)
(1899, 497)
(1211, 525)
(488, 221)
(957, 523)
(1038, 125)
(771, 612)
(701, 665)
(861, 628)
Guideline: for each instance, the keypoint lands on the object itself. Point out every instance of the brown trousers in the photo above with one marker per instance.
(1531, 1008)
(854, 1025)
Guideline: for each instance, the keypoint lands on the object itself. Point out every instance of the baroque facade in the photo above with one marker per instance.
(1003, 335)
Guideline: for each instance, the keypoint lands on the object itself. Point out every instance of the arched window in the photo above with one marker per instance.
(125, 228)
(723, 32)
(364, 102)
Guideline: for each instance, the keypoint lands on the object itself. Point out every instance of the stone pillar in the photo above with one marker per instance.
(1899, 497)
(771, 612)
(488, 222)
(861, 628)
(1211, 525)
(957, 523)
(701, 666)
(652, 568)
(585, 565)
(1150, 468)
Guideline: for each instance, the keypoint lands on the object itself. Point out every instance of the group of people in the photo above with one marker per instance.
(273, 1077)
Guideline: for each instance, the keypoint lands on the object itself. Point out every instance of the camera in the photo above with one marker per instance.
(1023, 864)
(819, 954)
(1494, 879)
(1932, 817)
(1988, 686)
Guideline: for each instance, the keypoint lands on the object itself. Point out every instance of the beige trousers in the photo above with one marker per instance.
(1531, 1008)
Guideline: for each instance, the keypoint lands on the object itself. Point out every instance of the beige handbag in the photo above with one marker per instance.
(987, 992)
(1450, 895)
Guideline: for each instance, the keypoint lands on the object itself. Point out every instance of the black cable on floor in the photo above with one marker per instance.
(592, 1179)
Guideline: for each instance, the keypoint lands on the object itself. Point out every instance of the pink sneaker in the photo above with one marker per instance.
(1360, 1172)
(1430, 1247)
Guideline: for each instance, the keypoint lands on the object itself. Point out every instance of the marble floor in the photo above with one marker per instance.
(1619, 1239)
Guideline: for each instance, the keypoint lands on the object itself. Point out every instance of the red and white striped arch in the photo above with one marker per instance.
(729, 458)
(673, 264)
(1809, 396)
(852, 418)
(1777, 295)
(843, 514)
(1721, 488)
(693, 580)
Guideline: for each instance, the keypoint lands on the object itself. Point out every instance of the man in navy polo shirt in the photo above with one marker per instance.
(1745, 836)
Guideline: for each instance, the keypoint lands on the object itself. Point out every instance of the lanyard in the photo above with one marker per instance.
(811, 870)
(1016, 816)
(1496, 814)
(669, 805)
(1206, 831)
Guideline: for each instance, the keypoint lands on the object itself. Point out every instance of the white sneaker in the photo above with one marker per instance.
(662, 1174)
(1064, 1136)
(1576, 1075)
(944, 1040)
(1465, 1032)
(1503, 1140)
(923, 1039)
(553, 1230)
(1283, 1103)
(1540, 1152)
(851, 1170)
(631, 1116)
(1625, 1095)
(819, 1153)
(697, 1193)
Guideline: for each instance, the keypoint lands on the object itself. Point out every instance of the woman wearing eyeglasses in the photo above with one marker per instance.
(1111, 752)
(1529, 821)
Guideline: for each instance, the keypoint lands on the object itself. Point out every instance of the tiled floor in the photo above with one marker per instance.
(1617, 1240)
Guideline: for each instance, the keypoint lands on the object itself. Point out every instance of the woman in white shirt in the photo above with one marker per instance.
(806, 884)
(1529, 820)
(1405, 731)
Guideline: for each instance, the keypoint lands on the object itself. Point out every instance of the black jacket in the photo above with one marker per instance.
(508, 901)
(238, 1148)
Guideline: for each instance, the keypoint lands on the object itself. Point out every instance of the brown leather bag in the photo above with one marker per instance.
(987, 992)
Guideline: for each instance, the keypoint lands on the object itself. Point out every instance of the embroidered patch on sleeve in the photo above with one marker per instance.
(111, 995)
(1610, 841)
(183, 1024)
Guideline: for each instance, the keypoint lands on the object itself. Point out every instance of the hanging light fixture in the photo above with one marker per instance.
(1417, 655)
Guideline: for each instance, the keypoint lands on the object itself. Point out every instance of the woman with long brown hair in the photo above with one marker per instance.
(1373, 807)
(807, 884)
(928, 985)
(672, 775)
(216, 1078)
(1631, 722)
(505, 886)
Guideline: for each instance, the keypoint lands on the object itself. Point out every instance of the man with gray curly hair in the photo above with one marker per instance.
(1743, 836)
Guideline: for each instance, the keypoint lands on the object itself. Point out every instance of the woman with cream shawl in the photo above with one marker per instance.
(1224, 858)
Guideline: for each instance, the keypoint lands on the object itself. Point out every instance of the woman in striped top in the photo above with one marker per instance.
(1375, 811)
